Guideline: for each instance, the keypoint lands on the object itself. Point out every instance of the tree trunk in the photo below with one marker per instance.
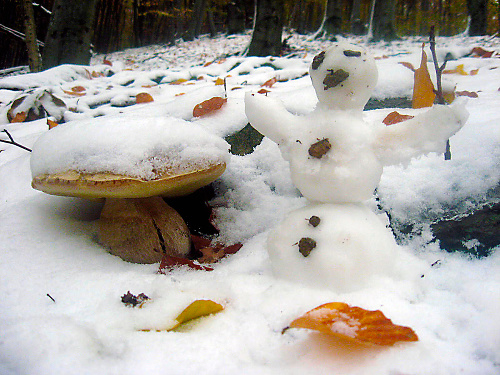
(357, 25)
(333, 17)
(478, 13)
(70, 32)
(236, 17)
(384, 19)
(35, 60)
(196, 23)
(266, 37)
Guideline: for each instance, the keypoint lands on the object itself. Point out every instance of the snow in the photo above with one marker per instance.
(49, 243)
(136, 146)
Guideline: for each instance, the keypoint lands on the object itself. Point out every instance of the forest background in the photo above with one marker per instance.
(120, 24)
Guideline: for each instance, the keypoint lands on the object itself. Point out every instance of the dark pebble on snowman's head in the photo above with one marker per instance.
(350, 53)
(318, 60)
(334, 78)
(306, 245)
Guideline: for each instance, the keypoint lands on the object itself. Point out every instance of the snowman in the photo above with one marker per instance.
(336, 161)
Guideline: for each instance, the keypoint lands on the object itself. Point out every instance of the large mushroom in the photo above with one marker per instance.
(132, 162)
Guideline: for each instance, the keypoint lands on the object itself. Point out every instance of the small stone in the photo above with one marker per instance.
(314, 221)
(318, 60)
(320, 148)
(350, 53)
(335, 78)
(306, 245)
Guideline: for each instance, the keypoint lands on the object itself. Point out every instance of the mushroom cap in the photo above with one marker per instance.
(107, 185)
(127, 157)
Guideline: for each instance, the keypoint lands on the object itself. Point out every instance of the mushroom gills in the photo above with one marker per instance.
(143, 230)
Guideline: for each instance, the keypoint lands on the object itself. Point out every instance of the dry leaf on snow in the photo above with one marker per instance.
(423, 89)
(195, 310)
(395, 117)
(143, 97)
(352, 323)
(208, 106)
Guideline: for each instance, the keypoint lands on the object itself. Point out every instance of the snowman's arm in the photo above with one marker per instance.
(270, 117)
(427, 132)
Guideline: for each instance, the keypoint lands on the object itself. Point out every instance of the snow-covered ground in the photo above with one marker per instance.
(49, 244)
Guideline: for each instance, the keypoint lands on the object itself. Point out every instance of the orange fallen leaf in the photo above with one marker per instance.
(180, 94)
(474, 72)
(423, 89)
(19, 117)
(263, 91)
(51, 123)
(219, 81)
(143, 97)
(351, 323)
(407, 65)
(107, 62)
(395, 117)
(269, 83)
(208, 106)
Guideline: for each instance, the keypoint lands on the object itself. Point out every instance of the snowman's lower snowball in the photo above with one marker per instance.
(353, 249)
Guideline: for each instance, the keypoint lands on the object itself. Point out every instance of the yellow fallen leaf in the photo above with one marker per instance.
(459, 69)
(423, 89)
(195, 310)
(350, 323)
(219, 81)
(178, 81)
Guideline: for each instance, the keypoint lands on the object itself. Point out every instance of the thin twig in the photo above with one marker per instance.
(439, 91)
(12, 142)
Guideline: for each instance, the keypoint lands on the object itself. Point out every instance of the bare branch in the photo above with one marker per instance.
(439, 93)
(12, 142)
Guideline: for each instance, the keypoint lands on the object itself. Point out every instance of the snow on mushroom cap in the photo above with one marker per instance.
(140, 147)
(344, 76)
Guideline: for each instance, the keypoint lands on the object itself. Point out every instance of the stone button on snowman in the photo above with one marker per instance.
(336, 161)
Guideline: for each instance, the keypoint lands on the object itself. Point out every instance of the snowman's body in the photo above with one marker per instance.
(336, 159)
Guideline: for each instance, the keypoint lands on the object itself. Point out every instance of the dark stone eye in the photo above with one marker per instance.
(350, 53)
(318, 59)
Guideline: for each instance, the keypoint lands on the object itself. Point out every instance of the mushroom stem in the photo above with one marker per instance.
(142, 230)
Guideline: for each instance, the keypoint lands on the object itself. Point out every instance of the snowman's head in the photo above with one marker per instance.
(344, 76)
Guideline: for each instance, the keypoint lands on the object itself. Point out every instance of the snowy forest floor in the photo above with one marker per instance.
(49, 244)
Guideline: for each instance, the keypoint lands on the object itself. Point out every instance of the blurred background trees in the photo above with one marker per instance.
(120, 24)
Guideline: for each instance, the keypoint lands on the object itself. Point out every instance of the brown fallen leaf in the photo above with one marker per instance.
(19, 117)
(208, 106)
(423, 89)
(470, 94)
(269, 83)
(407, 65)
(351, 323)
(394, 117)
(263, 91)
(481, 52)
